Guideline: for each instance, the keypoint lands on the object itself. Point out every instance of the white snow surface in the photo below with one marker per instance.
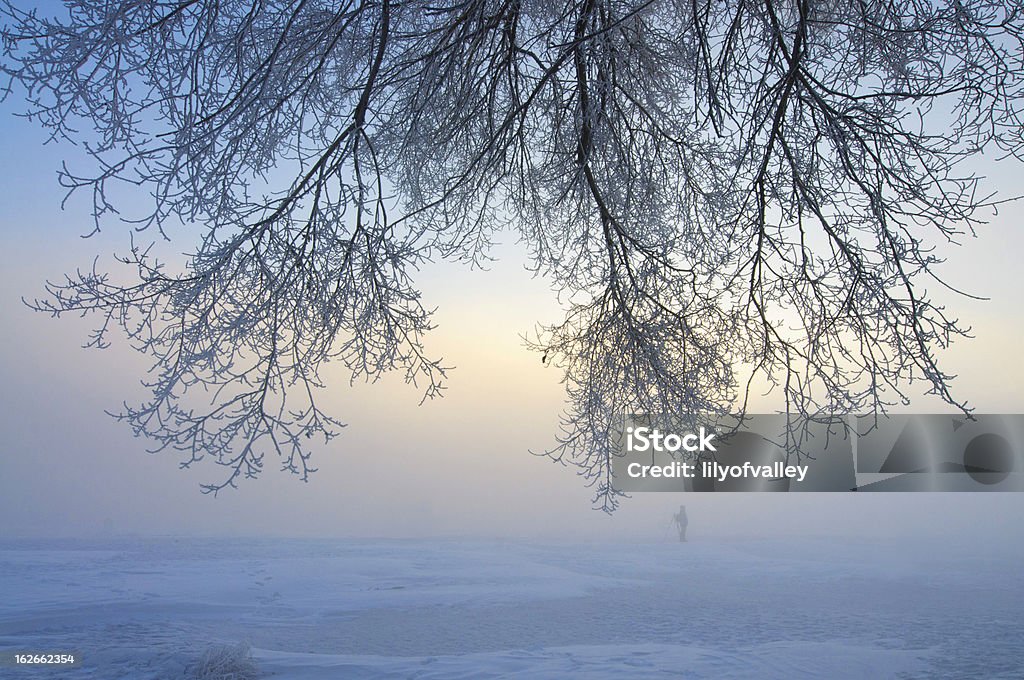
(318, 609)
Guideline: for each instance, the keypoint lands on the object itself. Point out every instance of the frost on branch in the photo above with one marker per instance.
(721, 192)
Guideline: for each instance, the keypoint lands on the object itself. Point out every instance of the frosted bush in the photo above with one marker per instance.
(225, 662)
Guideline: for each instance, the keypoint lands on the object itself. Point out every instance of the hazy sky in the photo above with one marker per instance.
(459, 465)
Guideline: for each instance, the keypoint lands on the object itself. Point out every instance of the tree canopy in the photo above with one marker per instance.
(721, 192)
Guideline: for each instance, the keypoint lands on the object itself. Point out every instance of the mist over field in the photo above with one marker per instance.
(456, 466)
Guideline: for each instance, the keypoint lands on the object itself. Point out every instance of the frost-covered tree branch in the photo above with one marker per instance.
(722, 192)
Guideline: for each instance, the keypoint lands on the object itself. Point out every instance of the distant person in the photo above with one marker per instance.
(679, 519)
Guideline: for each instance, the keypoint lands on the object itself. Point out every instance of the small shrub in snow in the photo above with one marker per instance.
(225, 662)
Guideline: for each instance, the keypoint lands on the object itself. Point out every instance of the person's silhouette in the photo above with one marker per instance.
(681, 522)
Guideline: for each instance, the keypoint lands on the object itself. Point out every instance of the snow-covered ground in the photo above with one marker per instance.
(318, 609)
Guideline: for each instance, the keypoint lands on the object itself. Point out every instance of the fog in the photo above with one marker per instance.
(457, 466)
